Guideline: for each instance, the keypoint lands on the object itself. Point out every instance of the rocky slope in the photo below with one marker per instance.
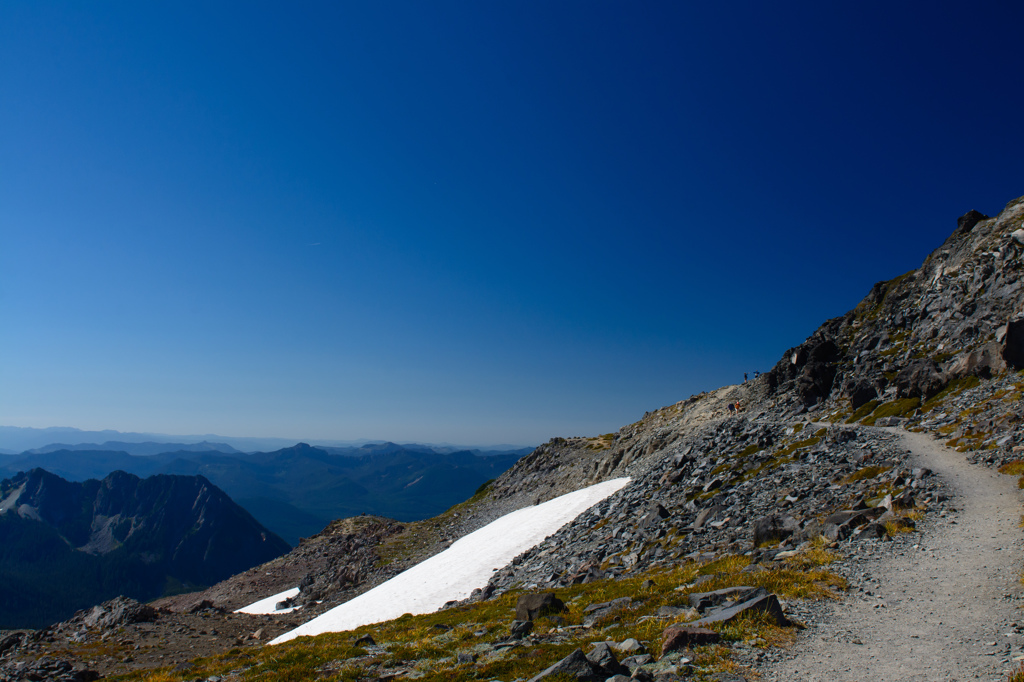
(330, 567)
(719, 498)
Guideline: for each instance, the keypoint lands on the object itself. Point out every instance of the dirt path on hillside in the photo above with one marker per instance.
(944, 605)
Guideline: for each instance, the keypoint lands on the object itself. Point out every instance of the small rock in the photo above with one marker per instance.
(574, 665)
(678, 612)
(774, 529)
(679, 638)
(519, 629)
(633, 662)
(630, 646)
(602, 658)
(768, 604)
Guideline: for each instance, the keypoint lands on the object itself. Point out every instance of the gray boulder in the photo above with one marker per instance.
(1013, 344)
(602, 658)
(835, 533)
(703, 601)
(768, 604)
(967, 221)
(630, 646)
(772, 529)
(596, 611)
(872, 531)
(117, 612)
(655, 514)
(860, 393)
(853, 518)
(676, 612)
(677, 638)
(633, 662)
(707, 515)
(11, 641)
(920, 379)
(574, 665)
(520, 629)
(983, 361)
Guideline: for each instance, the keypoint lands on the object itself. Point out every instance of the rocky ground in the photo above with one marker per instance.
(122, 635)
(940, 604)
(728, 488)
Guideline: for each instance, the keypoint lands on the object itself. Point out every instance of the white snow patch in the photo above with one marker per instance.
(269, 605)
(456, 572)
(27, 511)
(8, 503)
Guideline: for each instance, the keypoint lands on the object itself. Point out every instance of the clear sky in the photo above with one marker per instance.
(472, 222)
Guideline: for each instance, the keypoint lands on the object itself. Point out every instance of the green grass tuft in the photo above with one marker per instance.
(863, 411)
(896, 408)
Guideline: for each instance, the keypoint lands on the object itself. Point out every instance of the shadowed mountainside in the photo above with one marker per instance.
(297, 491)
(66, 545)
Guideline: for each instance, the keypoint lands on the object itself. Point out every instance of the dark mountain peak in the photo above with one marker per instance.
(37, 494)
(36, 476)
(120, 478)
(299, 450)
(967, 221)
(160, 531)
(387, 448)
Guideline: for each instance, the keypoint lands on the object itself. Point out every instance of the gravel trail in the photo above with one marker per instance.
(943, 605)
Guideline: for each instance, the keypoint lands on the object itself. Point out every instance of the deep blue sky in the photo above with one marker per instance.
(469, 222)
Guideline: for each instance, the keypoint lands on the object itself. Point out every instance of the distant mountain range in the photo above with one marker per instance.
(294, 491)
(65, 545)
(146, 449)
(18, 439)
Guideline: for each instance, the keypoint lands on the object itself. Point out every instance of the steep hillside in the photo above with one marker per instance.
(957, 320)
(64, 545)
(948, 334)
(956, 316)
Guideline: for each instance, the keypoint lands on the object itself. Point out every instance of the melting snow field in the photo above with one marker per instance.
(269, 605)
(454, 573)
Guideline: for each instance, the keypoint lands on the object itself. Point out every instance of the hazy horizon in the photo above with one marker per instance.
(99, 437)
(468, 223)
